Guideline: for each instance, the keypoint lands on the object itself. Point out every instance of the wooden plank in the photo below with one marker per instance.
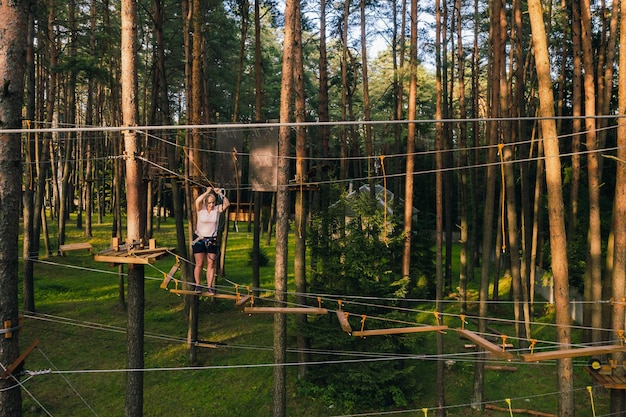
(170, 275)
(573, 353)
(484, 343)
(113, 259)
(204, 294)
(343, 321)
(519, 411)
(286, 310)
(243, 300)
(398, 330)
(75, 246)
(19, 360)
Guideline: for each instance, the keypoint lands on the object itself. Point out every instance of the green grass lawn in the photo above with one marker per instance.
(80, 358)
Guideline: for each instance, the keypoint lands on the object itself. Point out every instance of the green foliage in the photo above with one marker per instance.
(359, 253)
(264, 260)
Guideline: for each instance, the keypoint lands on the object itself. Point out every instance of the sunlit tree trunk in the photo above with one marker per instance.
(135, 209)
(300, 200)
(343, 171)
(594, 253)
(619, 222)
(556, 210)
(462, 162)
(410, 145)
(282, 210)
(30, 245)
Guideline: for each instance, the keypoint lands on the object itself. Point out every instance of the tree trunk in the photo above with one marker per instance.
(410, 146)
(282, 210)
(556, 211)
(300, 206)
(136, 213)
(619, 222)
(439, 210)
(13, 47)
(594, 253)
(30, 246)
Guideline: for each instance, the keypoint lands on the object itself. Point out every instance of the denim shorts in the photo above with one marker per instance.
(205, 245)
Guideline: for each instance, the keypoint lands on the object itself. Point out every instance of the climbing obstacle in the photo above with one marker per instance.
(63, 249)
(131, 253)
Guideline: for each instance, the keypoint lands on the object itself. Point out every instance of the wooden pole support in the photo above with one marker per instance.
(19, 360)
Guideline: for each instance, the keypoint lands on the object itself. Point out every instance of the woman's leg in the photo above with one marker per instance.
(197, 270)
(210, 269)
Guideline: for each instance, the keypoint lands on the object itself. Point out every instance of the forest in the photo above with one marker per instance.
(413, 152)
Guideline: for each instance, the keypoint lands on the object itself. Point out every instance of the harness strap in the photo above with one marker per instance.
(199, 238)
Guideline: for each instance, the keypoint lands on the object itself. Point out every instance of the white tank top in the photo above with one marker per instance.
(207, 223)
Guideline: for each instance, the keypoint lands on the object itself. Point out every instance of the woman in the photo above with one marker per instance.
(205, 245)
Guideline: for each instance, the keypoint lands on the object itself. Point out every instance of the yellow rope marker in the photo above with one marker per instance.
(339, 302)
(436, 314)
(502, 200)
(508, 401)
(504, 337)
(425, 410)
(593, 407)
(319, 302)
(533, 342)
(462, 321)
(363, 317)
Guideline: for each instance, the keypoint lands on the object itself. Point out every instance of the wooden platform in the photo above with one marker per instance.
(573, 353)
(486, 344)
(398, 330)
(74, 247)
(608, 381)
(127, 254)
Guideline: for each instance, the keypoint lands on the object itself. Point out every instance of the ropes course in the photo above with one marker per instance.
(134, 253)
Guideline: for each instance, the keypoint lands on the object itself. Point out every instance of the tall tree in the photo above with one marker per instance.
(619, 225)
(136, 213)
(556, 210)
(282, 208)
(410, 145)
(299, 263)
(13, 47)
(594, 236)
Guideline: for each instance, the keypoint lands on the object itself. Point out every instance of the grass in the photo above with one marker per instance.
(80, 327)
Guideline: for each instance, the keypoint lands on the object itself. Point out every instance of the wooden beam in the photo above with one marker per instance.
(286, 310)
(115, 260)
(19, 360)
(398, 330)
(75, 246)
(486, 344)
(170, 275)
(573, 353)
